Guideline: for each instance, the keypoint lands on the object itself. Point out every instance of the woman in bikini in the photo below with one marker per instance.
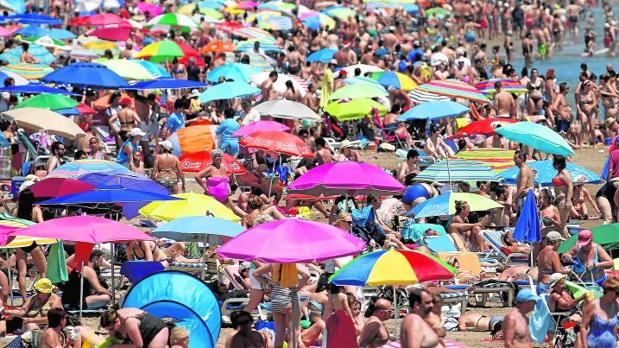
(551, 218)
(260, 212)
(536, 94)
(581, 197)
(564, 191)
(145, 250)
(33, 313)
(135, 326)
(167, 168)
(587, 111)
(548, 261)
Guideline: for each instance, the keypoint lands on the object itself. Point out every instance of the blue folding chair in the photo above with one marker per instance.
(136, 270)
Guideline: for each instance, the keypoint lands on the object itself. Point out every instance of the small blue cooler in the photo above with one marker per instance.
(16, 182)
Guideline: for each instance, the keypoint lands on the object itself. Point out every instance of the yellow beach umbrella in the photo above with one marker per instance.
(193, 204)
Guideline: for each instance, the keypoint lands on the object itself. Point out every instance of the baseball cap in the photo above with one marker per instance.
(195, 93)
(584, 237)
(166, 144)
(525, 295)
(43, 286)
(136, 132)
(554, 236)
(555, 277)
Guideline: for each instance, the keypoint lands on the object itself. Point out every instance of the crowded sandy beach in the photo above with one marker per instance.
(339, 174)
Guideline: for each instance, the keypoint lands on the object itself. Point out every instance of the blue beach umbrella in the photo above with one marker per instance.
(110, 194)
(545, 173)
(233, 71)
(528, 226)
(434, 110)
(32, 18)
(228, 90)
(324, 55)
(35, 88)
(32, 30)
(96, 166)
(167, 83)
(86, 74)
(538, 137)
(445, 204)
(61, 34)
(195, 228)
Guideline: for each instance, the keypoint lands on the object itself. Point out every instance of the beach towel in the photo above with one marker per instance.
(341, 331)
(467, 261)
(285, 274)
(57, 264)
(82, 253)
(540, 321)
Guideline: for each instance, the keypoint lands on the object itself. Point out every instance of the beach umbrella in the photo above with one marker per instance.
(194, 139)
(260, 126)
(35, 88)
(545, 172)
(340, 12)
(418, 96)
(95, 166)
(161, 51)
(61, 34)
(189, 52)
(176, 20)
(113, 32)
(458, 170)
(30, 72)
(99, 45)
(167, 83)
(346, 110)
(192, 204)
(19, 80)
(335, 178)
(54, 187)
(395, 80)
(87, 75)
(228, 90)
(218, 46)
(110, 195)
(277, 6)
(358, 91)
(273, 21)
(604, 235)
(40, 53)
(298, 241)
(434, 110)
(253, 33)
(48, 42)
(277, 141)
(497, 159)
(323, 56)
(103, 19)
(195, 228)
(365, 68)
(279, 85)
(248, 46)
(9, 31)
(437, 12)
(364, 80)
(155, 69)
(286, 109)
(445, 204)
(454, 89)
(528, 226)
(32, 30)
(48, 101)
(44, 120)
(483, 127)
(538, 137)
(508, 85)
(317, 21)
(235, 71)
(128, 69)
(194, 162)
(152, 9)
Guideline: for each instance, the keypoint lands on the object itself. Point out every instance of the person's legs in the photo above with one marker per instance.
(20, 257)
(39, 260)
(280, 328)
(160, 339)
(478, 239)
(255, 297)
(4, 287)
(605, 209)
(97, 301)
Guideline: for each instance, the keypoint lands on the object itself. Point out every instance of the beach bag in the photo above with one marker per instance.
(57, 264)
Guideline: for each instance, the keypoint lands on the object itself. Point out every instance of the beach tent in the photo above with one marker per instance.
(184, 299)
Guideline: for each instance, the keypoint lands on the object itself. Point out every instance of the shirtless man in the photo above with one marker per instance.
(57, 148)
(374, 333)
(415, 332)
(573, 14)
(214, 178)
(524, 179)
(516, 325)
(504, 103)
(267, 86)
(323, 154)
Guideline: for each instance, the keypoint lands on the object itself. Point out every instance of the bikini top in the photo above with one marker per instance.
(558, 181)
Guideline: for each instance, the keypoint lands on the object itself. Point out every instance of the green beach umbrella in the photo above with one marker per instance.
(48, 101)
(160, 51)
(354, 109)
(605, 235)
(359, 90)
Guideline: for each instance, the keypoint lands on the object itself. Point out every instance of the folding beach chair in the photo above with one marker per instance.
(365, 227)
(136, 270)
(499, 251)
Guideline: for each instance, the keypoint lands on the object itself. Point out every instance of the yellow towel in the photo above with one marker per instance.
(467, 261)
(285, 274)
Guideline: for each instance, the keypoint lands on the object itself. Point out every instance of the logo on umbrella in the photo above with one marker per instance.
(190, 165)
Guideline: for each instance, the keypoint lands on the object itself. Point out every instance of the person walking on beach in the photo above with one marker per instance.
(516, 325)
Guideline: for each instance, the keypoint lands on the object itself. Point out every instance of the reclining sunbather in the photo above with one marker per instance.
(473, 321)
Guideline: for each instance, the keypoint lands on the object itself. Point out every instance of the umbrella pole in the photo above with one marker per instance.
(81, 291)
(295, 311)
(8, 268)
(448, 173)
(203, 261)
(273, 175)
(113, 285)
(397, 313)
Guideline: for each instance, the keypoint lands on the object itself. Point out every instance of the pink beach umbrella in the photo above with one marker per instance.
(346, 177)
(152, 9)
(260, 126)
(113, 32)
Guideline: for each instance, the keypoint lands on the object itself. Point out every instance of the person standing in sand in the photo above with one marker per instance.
(214, 178)
(504, 103)
(516, 325)
(167, 168)
(524, 179)
(415, 332)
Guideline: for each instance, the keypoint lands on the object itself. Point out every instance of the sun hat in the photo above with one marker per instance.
(554, 236)
(195, 93)
(525, 295)
(584, 237)
(136, 132)
(166, 144)
(43, 286)
(345, 143)
(555, 277)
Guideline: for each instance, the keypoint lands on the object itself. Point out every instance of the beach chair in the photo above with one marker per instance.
(416, 232)
(195, 268)
(365, 227)
(499, 251)
(134, 271)
(387, 132)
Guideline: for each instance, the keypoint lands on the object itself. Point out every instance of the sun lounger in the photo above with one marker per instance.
(499, 250)
(211, 272)
(415, 232)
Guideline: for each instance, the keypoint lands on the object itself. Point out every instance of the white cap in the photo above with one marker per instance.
(136, 132)
(195, 93)
(166, 144)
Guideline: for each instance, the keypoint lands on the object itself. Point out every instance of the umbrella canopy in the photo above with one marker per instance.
(128, 69)
(508, 85)
(286, 109)
(160, 51)
(111, 180)
(40, 53)
(335, 178)
(434, 110)
(95, 166)
(194, 162)
(185, 23)
(61, 34)
(354, 109)
(605, 235)
(48, 41)
(445, 204)
(233, 71)
(195, 228)
(497, 159)
(418, 96)
(392, 267)
(228, 90)
(48, 101)
(395, 80)
(528, 227)
(152, 9)
(358, 90)
(454, 89)
(538, 137)
(364, 68)
(102, 19)
(35, 88)
(297, 241)
(340, 12)
(86, 74)
(32, 30)
(545, 172)
(19, 80)
(192, 204)
(458, 170)
(218, 46)
(9, 224)
(155, 69)
(85, 229)
(110, 194)
(54, 187)
(318, 20)
(278, 142)
(323, 56)
(193, 139)
(41, 119)
(260, 126)
(167, 83)
(483, 127)
(113, 32)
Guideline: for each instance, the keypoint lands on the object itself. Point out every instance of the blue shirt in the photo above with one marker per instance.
(122, 157)
(225, 130)
(175, 122)
(415, 55)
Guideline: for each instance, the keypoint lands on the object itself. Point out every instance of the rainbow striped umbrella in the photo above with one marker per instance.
(497, 159)
(509, 85)
(161, 51)
(392, 267)
(185, 23)
(458, 170)
(454, 89)
(394, 79)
